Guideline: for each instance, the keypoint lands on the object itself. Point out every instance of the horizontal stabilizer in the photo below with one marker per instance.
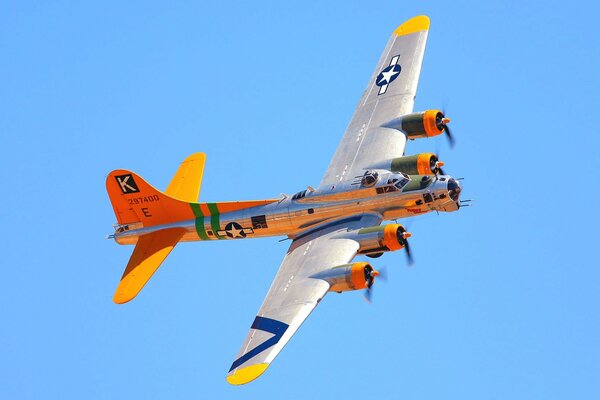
(185, 185)
(150, 251)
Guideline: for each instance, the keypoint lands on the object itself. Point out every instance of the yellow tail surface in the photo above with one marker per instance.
(149, 252)
(136, 201)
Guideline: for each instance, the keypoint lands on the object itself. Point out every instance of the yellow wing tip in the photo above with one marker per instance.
(247, 374)
(415, 24)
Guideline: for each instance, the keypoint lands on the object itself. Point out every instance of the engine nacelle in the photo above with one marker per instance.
(420, 125)
(379, 239)
(418, 164)
(355, 276)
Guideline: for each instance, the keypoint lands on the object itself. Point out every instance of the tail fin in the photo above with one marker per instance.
(135, 200)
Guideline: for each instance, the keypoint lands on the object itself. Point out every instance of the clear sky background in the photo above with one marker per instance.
(503, 300)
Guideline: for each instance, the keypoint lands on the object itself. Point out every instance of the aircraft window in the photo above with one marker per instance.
(369, 178)
(259, 222)
(386, 189)
(453, 189)
(299, 195)
(402, 182)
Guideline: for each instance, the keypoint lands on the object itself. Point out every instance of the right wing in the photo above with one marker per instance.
(390, 93)
(294, 294)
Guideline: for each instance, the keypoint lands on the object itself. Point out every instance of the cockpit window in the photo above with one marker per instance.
(402, 182)
(299, 195)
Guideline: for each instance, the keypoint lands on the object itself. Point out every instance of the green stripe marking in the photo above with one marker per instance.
(199, 221)
(215, 219)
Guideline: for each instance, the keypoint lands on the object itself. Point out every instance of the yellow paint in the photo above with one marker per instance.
(415, 24)
(244, 375)
(149, 252)
(185, 185)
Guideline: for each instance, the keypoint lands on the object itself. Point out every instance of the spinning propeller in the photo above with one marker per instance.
(381, 274)
(402, 234)
(442, 122)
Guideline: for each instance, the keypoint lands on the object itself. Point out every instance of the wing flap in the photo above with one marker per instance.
(148, 254)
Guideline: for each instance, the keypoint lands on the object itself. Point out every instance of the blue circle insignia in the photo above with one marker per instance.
(388, 75)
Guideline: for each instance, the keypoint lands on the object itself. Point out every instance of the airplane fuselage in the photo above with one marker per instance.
(293, 215)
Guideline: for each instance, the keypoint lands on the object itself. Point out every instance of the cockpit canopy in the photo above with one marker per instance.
(391, 180)
(399, 181)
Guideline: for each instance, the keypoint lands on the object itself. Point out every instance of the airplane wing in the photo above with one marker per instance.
(294, 294)
(389, 94)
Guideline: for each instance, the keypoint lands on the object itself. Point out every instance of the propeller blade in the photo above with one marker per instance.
(449, 136)
(383, 274)
(368, 294)
(409, 256)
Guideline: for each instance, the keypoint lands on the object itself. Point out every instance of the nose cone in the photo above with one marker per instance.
(454, 189)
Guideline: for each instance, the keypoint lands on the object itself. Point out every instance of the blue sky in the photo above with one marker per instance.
(503, 299)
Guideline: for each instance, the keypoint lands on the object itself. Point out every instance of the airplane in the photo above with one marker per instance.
(369, 180)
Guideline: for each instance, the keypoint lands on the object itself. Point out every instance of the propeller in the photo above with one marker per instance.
(381, 274)
(436, 165)
(442, 122)
(403, 235)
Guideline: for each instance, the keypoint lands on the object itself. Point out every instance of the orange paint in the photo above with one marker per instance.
(390, 240)
(429, 123)
(358, 275)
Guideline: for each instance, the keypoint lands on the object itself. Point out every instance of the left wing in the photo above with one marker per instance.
(390, 93)
(294, 294)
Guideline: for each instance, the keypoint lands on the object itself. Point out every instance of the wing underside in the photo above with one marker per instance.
(293, 295)
(390, 93)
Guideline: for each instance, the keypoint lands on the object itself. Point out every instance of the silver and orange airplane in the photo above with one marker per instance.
(369, 180)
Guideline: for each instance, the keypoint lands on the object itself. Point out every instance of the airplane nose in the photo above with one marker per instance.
(454, 189)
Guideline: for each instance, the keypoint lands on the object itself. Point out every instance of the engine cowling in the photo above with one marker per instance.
(379, 239)
(355, 276)
(418, 164)
(421, 124)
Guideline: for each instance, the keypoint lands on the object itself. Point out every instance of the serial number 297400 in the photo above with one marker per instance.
(142, 200)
